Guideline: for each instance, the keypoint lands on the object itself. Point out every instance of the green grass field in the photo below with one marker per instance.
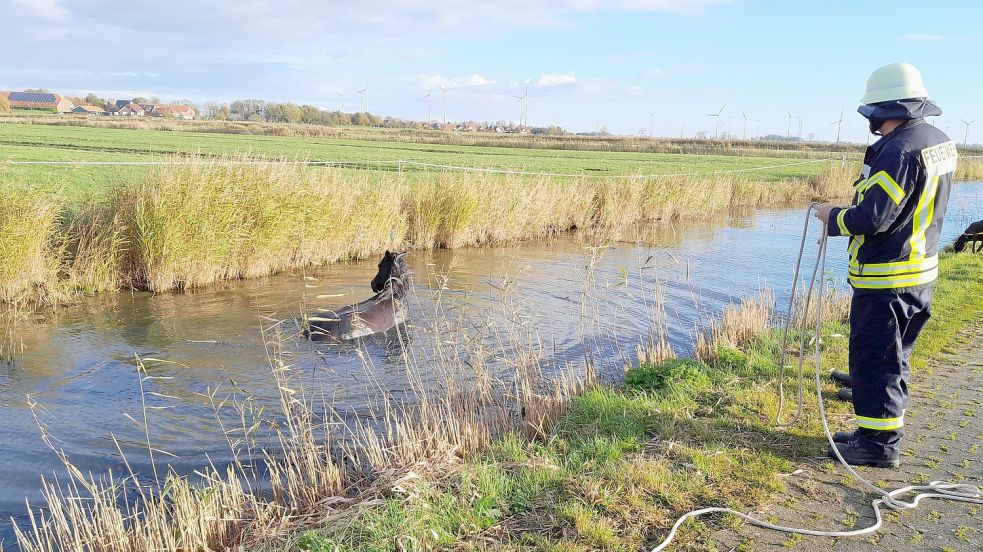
(63, 143)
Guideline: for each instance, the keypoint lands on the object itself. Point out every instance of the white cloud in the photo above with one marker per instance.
(919, 37)
(458, 82)
(556, 80)
(656, 72)
(44, 9)
(684, 7)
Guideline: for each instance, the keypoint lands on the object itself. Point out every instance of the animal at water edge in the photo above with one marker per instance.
(378, 314)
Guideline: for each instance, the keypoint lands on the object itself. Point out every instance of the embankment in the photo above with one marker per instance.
(190, 225)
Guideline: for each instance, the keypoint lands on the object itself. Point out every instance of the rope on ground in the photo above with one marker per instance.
(960, 492)
(402, 163)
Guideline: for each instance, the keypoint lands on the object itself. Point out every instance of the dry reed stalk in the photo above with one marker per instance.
(738, 325)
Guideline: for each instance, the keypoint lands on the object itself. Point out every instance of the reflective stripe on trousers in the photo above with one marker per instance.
(883, 329)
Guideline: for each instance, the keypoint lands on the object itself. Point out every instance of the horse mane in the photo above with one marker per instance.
(400, 279)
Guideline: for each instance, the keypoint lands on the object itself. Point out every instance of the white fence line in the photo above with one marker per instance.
(401, 163)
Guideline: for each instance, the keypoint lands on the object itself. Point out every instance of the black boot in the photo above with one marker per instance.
(842, 378)
(845, 395)
(856, 454)
(844, 436)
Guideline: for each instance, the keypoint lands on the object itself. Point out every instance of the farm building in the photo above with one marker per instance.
(89, 110)
(41, 101)
(131, 110)
(177, 111)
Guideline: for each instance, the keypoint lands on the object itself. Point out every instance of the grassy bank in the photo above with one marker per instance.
(624, 463)
(184, 226)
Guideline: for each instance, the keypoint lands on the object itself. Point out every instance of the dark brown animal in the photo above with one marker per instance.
(972, 236)
(377, 314)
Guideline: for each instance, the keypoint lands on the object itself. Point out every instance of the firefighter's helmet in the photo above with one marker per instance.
(897, 81)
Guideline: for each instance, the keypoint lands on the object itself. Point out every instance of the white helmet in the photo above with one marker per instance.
(897, 81)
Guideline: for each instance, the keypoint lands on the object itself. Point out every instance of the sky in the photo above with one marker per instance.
(588, 63)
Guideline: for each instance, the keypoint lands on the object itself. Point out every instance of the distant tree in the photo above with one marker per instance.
(38, 91)
(222, 114)
(92, 99)
(155, 100)
(139, 100)
(362, 119)
(4, 105)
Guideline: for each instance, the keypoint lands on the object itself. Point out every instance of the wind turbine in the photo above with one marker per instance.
(364, 93)
(716, 116)
(342, 96)
(788, 131)
(523, 107)
(966, 136)
(682, 124)
(839, 126)
(801, 120)
(429, 98)
(444, 92)
(652, 124)
(745, 123)
(757, 128)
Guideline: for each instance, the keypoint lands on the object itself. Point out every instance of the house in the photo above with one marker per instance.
(40, 101)
(178, 111)
(130, 110)
(89, 110)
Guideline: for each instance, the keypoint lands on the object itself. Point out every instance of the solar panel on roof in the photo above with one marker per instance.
(31, 97)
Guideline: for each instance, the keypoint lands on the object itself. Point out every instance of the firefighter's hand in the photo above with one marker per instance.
(823, 211)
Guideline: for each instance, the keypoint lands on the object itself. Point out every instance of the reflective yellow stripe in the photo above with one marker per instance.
(893, 282)
(882, 424)
(890, 186)
(841, 223)
(854, 248)
(895, 268)
(924, 214)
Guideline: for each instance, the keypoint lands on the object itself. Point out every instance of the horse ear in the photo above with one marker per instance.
(388, 254)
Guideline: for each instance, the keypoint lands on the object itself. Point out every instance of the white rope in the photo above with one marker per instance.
(401, 163)
(892, 499)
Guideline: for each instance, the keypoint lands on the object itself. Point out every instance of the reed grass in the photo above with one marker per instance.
(969, 168)
(29, 220)
(190, 225)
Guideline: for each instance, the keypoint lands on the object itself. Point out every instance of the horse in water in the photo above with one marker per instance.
(377, 314)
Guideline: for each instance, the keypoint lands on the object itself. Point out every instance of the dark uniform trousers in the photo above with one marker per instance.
(883, 329)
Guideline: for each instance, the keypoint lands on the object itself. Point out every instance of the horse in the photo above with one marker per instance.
(972, 236)
(379, 313)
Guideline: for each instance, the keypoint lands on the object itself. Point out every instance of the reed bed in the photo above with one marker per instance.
(28, 224)
(970, 168)
(190, 225)
(737, 326)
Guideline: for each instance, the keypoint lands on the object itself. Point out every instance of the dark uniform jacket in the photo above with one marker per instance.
(895, 220)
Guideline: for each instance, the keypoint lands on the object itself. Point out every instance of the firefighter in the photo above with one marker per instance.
(893, 226)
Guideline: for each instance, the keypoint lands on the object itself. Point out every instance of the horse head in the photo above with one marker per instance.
(393, 274)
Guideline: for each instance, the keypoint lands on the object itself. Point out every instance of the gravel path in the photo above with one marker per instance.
(944, 441)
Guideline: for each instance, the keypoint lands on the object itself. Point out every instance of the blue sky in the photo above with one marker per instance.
(588, 63)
